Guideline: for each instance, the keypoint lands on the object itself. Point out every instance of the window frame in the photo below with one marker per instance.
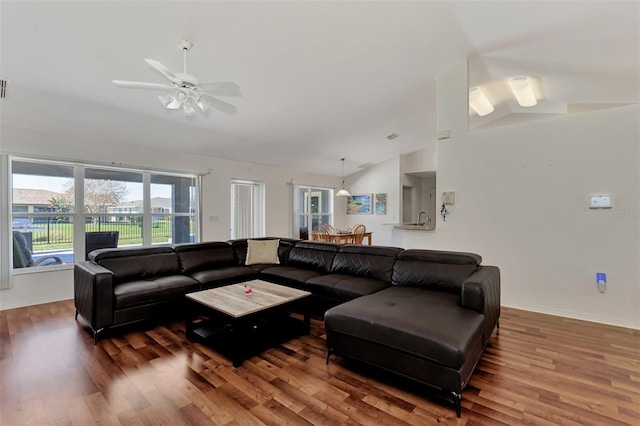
(78, 216)
(308, 211)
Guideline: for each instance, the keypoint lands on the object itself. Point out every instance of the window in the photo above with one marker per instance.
(141, 207)
(39, 237)
(172, 210)
(312, 207)
(247, 209)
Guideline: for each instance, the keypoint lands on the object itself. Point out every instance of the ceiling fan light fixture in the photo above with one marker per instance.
(342, 192)
(165, 100)
(523, 91)
(188, 109)
(186, 89)
(174, 104)
(203, 104)
(479, 102)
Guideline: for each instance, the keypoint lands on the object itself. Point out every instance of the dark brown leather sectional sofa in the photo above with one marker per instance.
(423, 314)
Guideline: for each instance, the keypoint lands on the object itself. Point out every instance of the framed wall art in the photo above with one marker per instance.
(359, 204)
(381, 203)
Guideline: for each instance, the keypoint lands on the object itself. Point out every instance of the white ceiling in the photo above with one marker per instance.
(321, 80)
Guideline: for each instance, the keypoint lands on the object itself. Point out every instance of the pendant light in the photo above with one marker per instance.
(342, 192)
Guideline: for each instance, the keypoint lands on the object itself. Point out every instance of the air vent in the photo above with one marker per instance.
(3, 88)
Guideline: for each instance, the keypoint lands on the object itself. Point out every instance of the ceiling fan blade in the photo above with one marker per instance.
(220, 85)
(219, 92)
(164, 71)
(142, 85)
(220, 104)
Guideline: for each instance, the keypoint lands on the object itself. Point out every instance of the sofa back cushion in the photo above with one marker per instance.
(284, 247)
(365, 261)
(128, 264)
(436, 270)
(313, 255)
(207, 255)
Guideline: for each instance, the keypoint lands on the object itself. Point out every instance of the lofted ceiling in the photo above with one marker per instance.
(320, 80)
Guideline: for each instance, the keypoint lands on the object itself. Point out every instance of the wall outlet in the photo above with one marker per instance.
(601, 281)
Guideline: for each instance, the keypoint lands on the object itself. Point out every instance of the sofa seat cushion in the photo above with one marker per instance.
(260, 266)
(139, 292)
(289, 275)
(427, 324)
(344, 287)
(216, 277)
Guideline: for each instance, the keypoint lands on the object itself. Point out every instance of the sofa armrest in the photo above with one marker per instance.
(93, 294)
(481, 292)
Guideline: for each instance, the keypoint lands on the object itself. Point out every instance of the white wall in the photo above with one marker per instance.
(521, 202)
(33, 288)
(423, 160)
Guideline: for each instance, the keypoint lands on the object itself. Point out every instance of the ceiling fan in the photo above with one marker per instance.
(188, 92)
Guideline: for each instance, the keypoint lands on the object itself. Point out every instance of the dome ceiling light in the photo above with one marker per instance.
(342, 192)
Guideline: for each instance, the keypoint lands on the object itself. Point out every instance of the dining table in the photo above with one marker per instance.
(340, 237)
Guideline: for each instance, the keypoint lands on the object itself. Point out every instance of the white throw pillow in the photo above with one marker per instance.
(262, 251)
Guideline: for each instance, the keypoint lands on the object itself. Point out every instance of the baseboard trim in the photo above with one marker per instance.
(33, 301)
(577, 315)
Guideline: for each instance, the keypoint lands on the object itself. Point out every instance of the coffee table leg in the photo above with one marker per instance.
(236, 343)
(189, 322)
(307, 318)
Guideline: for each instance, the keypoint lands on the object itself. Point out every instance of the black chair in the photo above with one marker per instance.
(98, 240)
(304, 233)
(22, 256)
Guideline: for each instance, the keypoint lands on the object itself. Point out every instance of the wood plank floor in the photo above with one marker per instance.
(540, 369)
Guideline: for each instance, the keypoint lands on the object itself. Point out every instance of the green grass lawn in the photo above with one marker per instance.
(57, 236)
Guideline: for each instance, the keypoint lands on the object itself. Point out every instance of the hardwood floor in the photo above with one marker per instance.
(539, 369)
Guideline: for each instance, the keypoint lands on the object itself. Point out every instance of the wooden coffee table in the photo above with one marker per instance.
(240, 325)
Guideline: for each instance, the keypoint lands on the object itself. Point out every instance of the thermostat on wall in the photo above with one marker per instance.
(600, 202)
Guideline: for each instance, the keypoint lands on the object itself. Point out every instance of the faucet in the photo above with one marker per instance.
(428, 219)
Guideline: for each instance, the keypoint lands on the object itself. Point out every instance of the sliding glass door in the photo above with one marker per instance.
(312, 207)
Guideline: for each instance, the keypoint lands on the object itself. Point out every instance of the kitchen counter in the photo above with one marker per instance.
(414, 227)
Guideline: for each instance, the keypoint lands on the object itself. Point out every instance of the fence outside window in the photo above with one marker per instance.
(48, 233)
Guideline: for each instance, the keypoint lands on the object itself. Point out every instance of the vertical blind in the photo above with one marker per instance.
(243, 211)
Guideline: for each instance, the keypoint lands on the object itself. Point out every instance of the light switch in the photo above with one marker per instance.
(449, 198)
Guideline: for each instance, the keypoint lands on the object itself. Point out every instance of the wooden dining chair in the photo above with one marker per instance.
(358, 234)
(324, 233)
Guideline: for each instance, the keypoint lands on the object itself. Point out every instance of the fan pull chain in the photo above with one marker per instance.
(184, 60)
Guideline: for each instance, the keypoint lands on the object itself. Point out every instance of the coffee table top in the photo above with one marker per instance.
(233, 301)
